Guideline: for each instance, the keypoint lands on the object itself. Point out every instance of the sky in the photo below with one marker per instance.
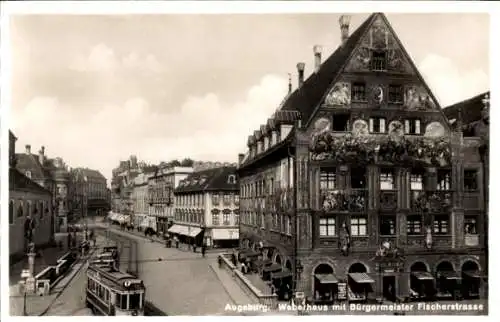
(96, 89)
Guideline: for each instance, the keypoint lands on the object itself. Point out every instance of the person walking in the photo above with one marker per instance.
(203, 249)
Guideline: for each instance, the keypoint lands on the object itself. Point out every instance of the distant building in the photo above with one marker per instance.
(161, 195)
(52, 174)
(122, 185)
(207, 208)
(140, 197)
(27, 200)
(91, 192)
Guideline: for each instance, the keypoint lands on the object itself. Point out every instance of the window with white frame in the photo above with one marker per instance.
(359, 226)
(328, 179)
(412, 126)
(444, 180)
(377, 125)
(327, 227)
(288, 225)
(441, 224)
(386, 179)
(414, 225)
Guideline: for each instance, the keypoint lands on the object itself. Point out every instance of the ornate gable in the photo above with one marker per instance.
(380, 52)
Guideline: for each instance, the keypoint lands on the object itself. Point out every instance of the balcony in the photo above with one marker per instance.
(431, 201)
(339, 200)
(388, 199)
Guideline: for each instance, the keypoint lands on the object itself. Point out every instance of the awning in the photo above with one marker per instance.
(327, 278)
(449, 275)
(282, 274)
(272, 268)
(423, 276)
(472, 274)
(194, 231)
(174, 229)
(361, 278)
(225, 234)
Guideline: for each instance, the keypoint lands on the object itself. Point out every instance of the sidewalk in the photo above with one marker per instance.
(37, 305)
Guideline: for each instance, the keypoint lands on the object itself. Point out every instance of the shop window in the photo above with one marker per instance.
(470, 225)
(414, 225)
(379, 61)
(470, 180)
(387, 225)
(377, 125)
(386, 179)
(340, 122)
(327, 227)
(441, 224)
(358, 92)
(395, 94)
(358, 178)
(359, 226)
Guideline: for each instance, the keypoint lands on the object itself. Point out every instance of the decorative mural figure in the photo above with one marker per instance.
(377, 94)
(339, 95)
(397, 62)
(360, 60)
(417, 98)
(345, 240)
(428, 237)
(321, 127)
(434, 130)
(396, 131)
(379, 35)
(360, 128)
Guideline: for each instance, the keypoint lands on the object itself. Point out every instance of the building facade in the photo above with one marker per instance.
(88, 191)
(140, 197)
(207, 208)
(161, 200)
(122, 185)
(358, 179)
(27, 201)
(52, 174)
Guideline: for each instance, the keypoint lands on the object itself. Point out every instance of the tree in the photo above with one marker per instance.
(174, 163)
(187, 162)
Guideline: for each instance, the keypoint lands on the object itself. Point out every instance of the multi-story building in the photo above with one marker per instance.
(122, 184)
(90, 192)
(207, 208)
(358, 179)
(28, 200)
(161, 195)
(51, 174)
(140, 197)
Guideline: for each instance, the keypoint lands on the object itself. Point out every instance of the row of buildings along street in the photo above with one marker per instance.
(360, 188)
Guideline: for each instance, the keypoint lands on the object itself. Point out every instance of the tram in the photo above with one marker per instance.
(114, 293)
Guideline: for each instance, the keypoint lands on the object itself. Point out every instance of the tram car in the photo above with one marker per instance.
(114, 293)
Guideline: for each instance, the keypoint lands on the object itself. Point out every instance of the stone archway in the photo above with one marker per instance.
(417, 283)
(288, 265)
(419, 266)
(320, 286)
(357, 268)
(277, 259)
(446, 278)
(471, 279)
(270, 252)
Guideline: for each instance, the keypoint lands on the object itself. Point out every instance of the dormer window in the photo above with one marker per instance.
(28, 174)
(231, 179)
(379, 61)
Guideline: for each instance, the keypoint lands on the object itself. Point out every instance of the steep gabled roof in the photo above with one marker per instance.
(215, 179)
(19, 182)
(30, 162)
(305, 98)
(471, 109)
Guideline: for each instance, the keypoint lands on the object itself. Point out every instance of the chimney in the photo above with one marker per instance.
(344, 21)
(317, 57)
(241, 156)
(28, 149)
(289, 83)
(41, 155)
(300, 71)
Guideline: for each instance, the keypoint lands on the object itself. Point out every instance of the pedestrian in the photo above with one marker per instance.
(203, 249)
(194, 248)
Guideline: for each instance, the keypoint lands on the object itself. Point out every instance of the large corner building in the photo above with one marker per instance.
(358, 183)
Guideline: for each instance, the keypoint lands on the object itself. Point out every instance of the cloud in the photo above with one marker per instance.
(449, 83)
(102, 58)
(204, 128)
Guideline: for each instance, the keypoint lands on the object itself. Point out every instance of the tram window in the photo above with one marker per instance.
(100, 291)
(106, 296)
(135, 301)
(123, 302)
